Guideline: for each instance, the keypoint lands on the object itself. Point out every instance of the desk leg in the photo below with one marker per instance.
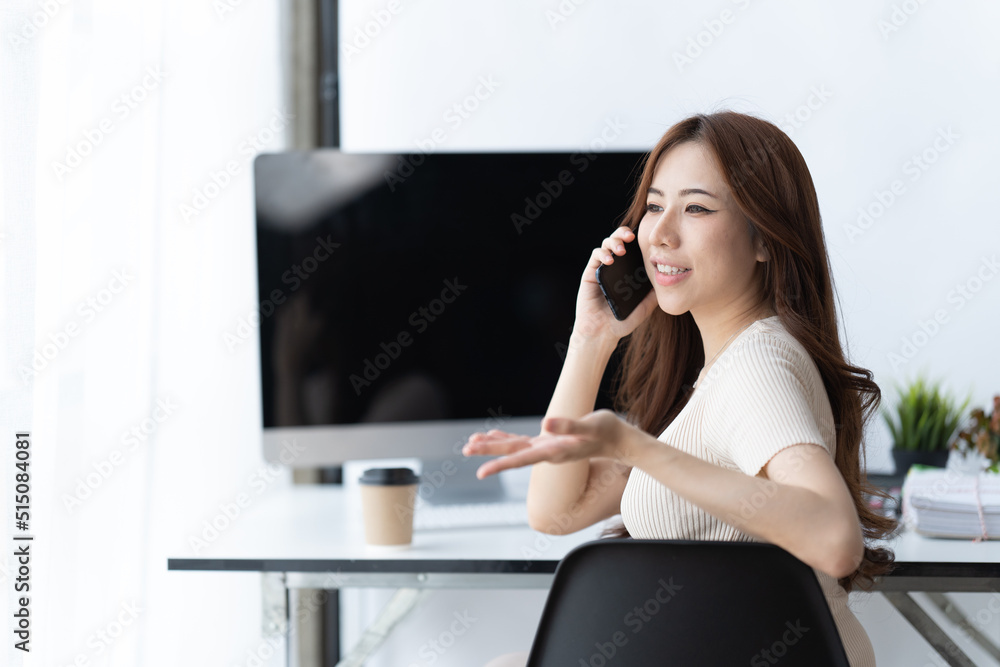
(928, 629)
(956, 616)
(331, 628)
(275, 617)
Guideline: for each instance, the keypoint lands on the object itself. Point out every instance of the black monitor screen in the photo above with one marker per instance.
(411, 287)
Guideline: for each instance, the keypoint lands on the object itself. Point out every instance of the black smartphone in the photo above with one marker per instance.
(624, 282)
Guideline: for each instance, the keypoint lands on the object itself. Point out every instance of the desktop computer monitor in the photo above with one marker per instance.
(407, 301)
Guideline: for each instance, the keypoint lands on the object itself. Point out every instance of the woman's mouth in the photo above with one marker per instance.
(670, 275)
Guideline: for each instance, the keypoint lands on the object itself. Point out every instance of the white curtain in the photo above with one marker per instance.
(128, 132)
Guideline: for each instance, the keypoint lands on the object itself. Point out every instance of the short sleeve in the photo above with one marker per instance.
(762, 401)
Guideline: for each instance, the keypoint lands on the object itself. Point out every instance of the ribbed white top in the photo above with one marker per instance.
(764, 393)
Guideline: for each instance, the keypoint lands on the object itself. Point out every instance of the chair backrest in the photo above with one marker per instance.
(678, 602)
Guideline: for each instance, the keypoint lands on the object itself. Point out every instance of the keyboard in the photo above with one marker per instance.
(471, 515)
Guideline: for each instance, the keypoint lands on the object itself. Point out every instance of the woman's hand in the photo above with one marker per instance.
(600, 434)
(594, 318)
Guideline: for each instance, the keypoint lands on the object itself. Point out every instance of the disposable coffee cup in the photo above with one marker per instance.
(388, 496)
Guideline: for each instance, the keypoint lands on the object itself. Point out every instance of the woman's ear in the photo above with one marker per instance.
(762, 254)
(758, 243)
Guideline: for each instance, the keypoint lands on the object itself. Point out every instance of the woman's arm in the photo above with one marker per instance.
(566, 497)
(798, 502)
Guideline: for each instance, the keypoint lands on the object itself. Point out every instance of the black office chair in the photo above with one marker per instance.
(644, 603)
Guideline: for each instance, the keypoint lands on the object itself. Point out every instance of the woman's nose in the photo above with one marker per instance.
(664, 230)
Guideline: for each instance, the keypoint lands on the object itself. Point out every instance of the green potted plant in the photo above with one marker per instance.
(981, 436)
(922, 425)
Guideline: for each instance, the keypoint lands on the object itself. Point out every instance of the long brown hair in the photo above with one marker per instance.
(771, 185)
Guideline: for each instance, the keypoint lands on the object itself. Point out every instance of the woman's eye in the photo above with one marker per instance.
(695, 208)
(653, 208)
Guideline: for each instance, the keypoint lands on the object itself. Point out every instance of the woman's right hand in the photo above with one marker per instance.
(594, 319)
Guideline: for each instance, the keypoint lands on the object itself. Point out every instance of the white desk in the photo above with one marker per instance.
(311, 537)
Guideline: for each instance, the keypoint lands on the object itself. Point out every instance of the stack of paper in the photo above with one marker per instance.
(946, 503)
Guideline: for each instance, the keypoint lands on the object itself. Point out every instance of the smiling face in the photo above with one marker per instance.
(692, 222)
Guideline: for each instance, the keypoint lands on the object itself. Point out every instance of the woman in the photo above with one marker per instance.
(761, 442)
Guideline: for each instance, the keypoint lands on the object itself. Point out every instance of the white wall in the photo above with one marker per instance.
(866, 90)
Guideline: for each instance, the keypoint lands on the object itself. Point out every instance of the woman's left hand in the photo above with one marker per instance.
(600, 434)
